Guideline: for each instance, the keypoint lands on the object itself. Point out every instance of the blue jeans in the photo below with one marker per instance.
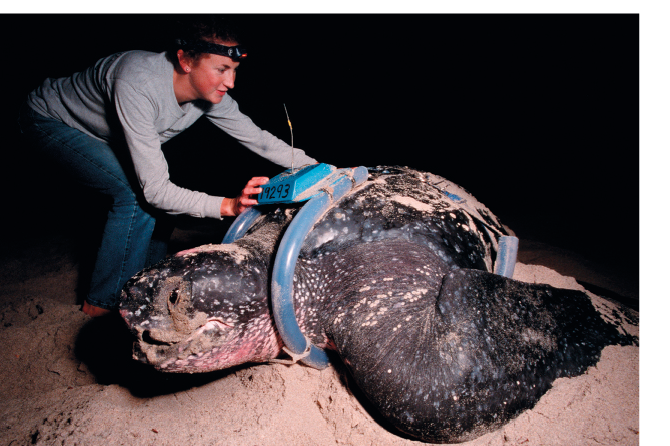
(126, 246)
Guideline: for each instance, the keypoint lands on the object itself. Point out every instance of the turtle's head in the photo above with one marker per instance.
(200, 310)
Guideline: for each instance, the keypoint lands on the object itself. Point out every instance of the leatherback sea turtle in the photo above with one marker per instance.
(397, 279)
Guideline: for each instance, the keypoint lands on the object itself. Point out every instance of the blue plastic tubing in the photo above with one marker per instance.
(241, 224)
(506, 260)
(287, 257)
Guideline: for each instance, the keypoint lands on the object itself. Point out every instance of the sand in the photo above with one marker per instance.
(68, 379)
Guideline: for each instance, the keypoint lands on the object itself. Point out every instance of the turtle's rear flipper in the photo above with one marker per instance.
(544, 330)
(489, 349)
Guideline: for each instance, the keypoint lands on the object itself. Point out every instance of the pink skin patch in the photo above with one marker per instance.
(203, 248)
(257, 347)
(188, 251)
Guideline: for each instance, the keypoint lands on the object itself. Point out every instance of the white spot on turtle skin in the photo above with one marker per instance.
(365, 288)
(389, 371)
(388, 279)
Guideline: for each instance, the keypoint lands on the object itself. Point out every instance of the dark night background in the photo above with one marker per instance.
(536, 115)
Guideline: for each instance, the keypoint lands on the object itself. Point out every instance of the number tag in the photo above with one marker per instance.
(289, 185)
(280, 191)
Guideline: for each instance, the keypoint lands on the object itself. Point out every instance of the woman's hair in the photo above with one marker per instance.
(210, 28)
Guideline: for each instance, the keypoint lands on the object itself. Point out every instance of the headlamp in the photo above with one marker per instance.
(236, 52)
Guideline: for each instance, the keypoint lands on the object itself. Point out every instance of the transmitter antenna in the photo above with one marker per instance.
(291, 128)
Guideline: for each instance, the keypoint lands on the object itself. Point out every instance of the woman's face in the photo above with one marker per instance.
(211, 76)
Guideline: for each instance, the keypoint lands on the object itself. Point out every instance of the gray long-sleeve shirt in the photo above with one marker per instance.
(130, 97)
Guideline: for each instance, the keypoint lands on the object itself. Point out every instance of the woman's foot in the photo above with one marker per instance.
(94, 311)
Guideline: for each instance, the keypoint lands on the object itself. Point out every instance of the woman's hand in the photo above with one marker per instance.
(231, 207)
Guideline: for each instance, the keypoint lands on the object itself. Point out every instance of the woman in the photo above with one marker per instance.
(105, 126)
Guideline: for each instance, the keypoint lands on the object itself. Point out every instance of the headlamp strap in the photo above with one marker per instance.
(236, 52)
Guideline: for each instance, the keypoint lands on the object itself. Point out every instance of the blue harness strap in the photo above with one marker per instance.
(329, 190)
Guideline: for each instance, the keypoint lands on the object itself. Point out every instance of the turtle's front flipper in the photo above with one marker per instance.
(486, 349)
